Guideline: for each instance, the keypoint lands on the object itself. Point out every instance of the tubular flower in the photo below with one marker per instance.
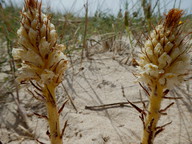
(42, 58)
(165, 55)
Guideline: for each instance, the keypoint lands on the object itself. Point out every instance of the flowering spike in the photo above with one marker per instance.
(166, 57)
(39, 50)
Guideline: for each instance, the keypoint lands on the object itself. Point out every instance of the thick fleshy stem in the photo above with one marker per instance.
(150, 124)
(53, 115)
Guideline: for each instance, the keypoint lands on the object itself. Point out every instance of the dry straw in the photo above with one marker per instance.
(164, 62)
(42, 61)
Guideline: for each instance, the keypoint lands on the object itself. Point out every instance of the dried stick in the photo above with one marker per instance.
(112, 105)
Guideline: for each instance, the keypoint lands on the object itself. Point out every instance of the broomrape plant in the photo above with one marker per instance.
(164, 62)
(42, 61)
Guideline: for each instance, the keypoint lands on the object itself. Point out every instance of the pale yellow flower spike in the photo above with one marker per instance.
(164, 62)
(43, 62)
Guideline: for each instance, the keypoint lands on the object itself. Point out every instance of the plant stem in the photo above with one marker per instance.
(153, 115)
(53, 115)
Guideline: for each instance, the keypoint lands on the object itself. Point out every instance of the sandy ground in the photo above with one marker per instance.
(101, 80)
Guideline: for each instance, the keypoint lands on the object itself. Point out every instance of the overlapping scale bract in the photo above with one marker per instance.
(164, 57)
(42, 58)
